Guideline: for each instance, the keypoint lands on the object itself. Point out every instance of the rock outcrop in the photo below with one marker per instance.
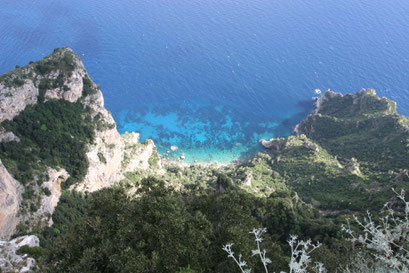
(10, 261)
(112, 154)
(273, 143)
(8, 136)
(50, 200)
(22, 86)
(15, 100)
(353, 167)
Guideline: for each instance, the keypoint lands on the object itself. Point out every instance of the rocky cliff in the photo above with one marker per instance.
(10, 198)
(61, 76)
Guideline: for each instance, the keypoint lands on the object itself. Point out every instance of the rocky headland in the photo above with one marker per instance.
(62, 76)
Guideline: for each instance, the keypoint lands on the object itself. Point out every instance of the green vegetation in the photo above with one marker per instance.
(64, 63)
(364, 104)
(154, 159)
(16, 78)
(102, 158)
(88, 88)
(164, 230)
(71, 207)
(99, 121)
(55, 134)
(35, 252)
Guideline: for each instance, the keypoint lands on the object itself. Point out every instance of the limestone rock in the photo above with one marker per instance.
(138, 154)
(273, 144)
(8, 136)
(104, 158)
(121, 154)
(10, 199)
(10, 261)
(15, 100)
(48, 203)
(42, 216)
(112, 155)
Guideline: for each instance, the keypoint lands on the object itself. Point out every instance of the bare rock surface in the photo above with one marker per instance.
(8, 136)
(10, 261)
(15, 100)
(10, 199)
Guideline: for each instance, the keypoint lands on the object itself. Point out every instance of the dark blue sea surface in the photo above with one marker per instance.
(212, 77)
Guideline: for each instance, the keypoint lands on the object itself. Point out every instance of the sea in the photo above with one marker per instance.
(212, 77)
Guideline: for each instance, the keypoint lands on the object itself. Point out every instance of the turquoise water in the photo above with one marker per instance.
(212, 77)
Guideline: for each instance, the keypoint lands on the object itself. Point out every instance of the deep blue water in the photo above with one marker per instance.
(212, 77)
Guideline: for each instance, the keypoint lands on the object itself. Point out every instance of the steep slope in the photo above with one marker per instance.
(348, 153)
(55, 132)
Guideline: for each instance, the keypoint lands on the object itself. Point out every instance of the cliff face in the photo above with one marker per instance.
(10, 198)
(62, 76)
(111, 154)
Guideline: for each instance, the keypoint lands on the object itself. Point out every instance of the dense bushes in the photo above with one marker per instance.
(54, 133)
(166, 231)
(71, 207)
(155, 233)
(65, 64)
(35, 252)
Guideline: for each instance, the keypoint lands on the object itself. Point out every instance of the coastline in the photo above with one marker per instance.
(181, 164)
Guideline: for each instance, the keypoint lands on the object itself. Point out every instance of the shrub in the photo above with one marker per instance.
(36, 252)
(102, 158)
(88, 88)
(46, 191)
